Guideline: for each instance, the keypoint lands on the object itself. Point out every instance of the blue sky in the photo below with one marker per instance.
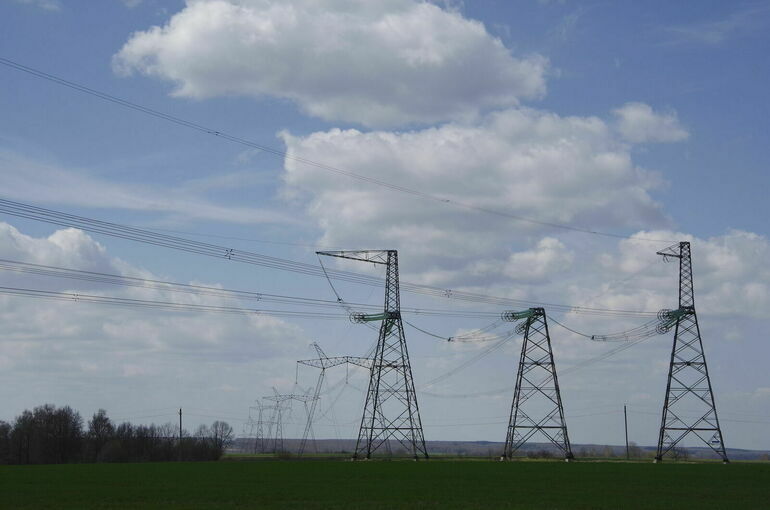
(641, 119)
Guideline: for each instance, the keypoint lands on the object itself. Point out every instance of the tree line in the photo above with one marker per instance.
(51, 435)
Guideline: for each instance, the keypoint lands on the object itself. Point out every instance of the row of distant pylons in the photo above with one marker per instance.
(391, 412)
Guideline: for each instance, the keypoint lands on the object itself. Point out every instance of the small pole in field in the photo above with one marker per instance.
(625, 419)
(180, 433)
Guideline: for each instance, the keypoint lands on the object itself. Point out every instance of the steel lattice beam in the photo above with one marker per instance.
(537, 407)
(391, 412)
(688, 388)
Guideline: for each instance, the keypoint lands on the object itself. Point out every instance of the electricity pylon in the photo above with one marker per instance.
(280, 400)
(276, 420)
(323, 362)
(536, 403)
(255, 427)
(391, 410)
(688, 391)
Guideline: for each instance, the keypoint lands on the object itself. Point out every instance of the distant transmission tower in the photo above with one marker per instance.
(536, 406)
(253, 427)
(276, 420)
(281, 406)
(391, 410)
(323, 362)
(688, 392)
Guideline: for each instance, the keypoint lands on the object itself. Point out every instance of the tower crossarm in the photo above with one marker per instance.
(361, 362)
(360, 318)
(373, 256)
(324, 362)
(513, 316)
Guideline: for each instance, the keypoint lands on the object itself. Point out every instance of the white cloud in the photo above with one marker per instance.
(548, 258)
(147, 358)
(371, 63)
(567, 170)
(730, 275)
(48, 5)
(68, 248)
(639, 123)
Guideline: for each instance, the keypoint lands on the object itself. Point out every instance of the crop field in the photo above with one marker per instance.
(382, 484)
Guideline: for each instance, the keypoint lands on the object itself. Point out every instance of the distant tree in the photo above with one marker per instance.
(66, 434)
(22, 438)
(100, 432)
(5, 442)
(222, 435)
(47, 435)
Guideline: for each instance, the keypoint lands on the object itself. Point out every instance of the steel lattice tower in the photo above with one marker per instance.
(536, 403)
(323, 362)
(689, 385)
(390, 411)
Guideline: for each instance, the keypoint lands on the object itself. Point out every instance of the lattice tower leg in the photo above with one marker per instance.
(689, 408)
(537, 408)
(391, 411)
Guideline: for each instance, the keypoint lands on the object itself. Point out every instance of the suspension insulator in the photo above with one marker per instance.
(663, 328)
(357, 318)
(521, 328)
(664, 314)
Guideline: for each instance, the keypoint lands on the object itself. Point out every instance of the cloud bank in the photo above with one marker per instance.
(376, 64)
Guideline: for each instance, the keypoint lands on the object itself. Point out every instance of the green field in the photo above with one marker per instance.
(382, 484)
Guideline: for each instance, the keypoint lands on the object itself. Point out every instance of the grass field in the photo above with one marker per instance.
(381, 484)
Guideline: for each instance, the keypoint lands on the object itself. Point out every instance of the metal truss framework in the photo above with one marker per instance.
(323, 362)
(281, 405)
(390, 412)
(255, 428)
(688, 389)
(537, 406)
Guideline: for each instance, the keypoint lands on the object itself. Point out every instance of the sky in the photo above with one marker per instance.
(494, 144)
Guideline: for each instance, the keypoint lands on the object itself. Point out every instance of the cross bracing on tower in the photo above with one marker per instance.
(537, 408)
(688, 390)
(390, 412)
(282, 405)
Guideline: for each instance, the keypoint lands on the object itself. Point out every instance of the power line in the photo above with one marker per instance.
(164, 305)
(27, 211)
(166, 286)
(287, 155)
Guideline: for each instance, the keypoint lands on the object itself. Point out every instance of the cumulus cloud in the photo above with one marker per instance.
(731, 277)
(371, 63)
(68, 247)
(639, 123)
(533, 164)
(57, 349)
(549, 258)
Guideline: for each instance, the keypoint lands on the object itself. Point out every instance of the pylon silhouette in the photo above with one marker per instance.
(689, 407)
(537, 408)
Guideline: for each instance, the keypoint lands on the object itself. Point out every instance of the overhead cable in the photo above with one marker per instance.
(289, 156)
(27, 211)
